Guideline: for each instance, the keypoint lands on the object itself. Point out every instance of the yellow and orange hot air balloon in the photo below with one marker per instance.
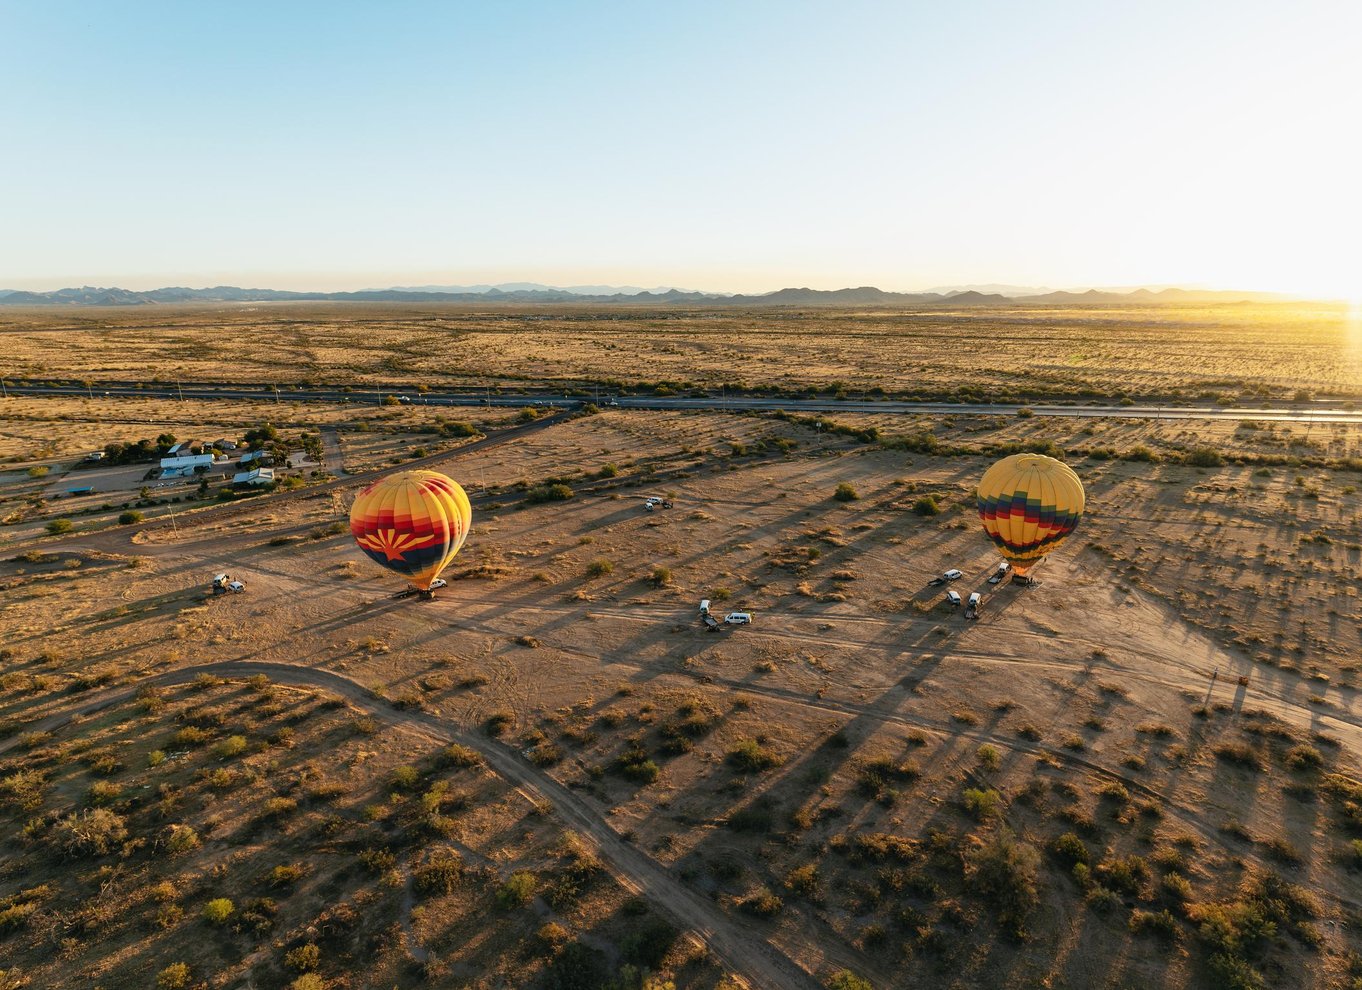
(1029, 504)
(412, 522)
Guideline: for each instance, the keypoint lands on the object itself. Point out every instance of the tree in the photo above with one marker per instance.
(1004, 872)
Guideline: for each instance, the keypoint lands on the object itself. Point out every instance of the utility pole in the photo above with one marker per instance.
(179, 389)
(3, 388)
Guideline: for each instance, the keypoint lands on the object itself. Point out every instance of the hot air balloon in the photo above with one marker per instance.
(412, 522)
(1029, 504)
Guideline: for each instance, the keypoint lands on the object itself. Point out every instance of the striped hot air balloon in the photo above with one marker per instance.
(1029, 504)
(412, 522)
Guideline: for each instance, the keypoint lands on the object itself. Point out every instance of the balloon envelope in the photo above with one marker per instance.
(412, 522)
(1029, 504)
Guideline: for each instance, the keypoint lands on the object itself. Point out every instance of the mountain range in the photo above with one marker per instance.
(531, 292)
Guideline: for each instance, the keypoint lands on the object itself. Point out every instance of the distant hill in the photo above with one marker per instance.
(576, 290)
(1147, 296)
(530, 292)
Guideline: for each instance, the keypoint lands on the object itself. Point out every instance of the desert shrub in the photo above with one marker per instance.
(94, 832)
(549, 493)
(661, 577)
(1175, 887)
(545, 753)
(58, 526)
(173, 977)
(180, 839)
(845, 979)
(1140, 453)
(982, 804)
(308, 981)
(846, 493)
(1003, 871)
(104, 792)
(218, 910)
(1304, 758)
(599, 568)
(440, 874)
(304, 958)
(750, 756)
(459, 755)
(285, 875)
(129, 517)
(517, 890)
(1070, 848)
(1160, 923)
(1240, 754)
(1233, 973)
(553, 935)
(762, 903)
(1204, 457)
(406, 778)
(231, 746)
(634, 764)
(803, 879)
(190, 735)
(1124, 874)
(989, 757)
(279, 807)
(927, 505)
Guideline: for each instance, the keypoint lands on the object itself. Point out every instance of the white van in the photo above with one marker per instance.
(738, 618)
(953, 599)
(704, 607)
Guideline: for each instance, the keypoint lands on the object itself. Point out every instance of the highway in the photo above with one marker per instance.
(1320, 413)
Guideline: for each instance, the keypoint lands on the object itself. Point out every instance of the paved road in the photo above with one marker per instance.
(365, 395)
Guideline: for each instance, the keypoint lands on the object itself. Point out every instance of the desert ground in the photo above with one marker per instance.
(1140, 772)
(1225, 352)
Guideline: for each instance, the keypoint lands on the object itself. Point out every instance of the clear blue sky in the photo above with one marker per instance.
(733, 146)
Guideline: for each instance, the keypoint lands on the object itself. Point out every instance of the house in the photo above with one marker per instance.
(225, 444)
(183, 467)
(257, 457)
(259, 476)
(182, 449)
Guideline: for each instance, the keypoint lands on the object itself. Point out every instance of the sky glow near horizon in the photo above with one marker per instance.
(717, 146)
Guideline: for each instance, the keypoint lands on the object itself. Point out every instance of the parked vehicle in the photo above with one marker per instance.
(972, 606)
(704, 606)
(1000, 572)
(738, 618)
(953, 599)
(438, 583)
(953, 575)
(236, 587)
(220, 583)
